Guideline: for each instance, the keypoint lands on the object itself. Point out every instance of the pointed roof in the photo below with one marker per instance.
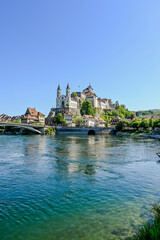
(59, 87)
(68, 86)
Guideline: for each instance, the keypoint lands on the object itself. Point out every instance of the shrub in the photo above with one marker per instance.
(151, 230)
(156, 123)
(78, 121)
(67, 104)
(135, 124)
(59, 118)
(114, 113)
(50, 130)
(121, 124)
(144, 123)
(74, 94)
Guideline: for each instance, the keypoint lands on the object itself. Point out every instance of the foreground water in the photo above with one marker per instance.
(76, 187)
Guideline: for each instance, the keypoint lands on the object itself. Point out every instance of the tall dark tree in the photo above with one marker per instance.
(87, 108)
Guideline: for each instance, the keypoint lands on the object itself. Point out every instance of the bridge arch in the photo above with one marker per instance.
(24, 126)
(91, 132)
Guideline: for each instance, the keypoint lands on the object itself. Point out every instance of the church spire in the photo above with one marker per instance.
(58, 91)
(68, 91)
(68, 86)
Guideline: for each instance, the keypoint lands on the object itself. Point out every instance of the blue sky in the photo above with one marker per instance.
(112, 44)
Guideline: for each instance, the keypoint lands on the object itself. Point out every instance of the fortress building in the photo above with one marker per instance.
(63, 101)
(71, 103)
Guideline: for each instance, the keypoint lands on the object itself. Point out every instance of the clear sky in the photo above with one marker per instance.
(112, 44)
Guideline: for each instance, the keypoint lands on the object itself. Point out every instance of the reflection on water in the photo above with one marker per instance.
(76, 187)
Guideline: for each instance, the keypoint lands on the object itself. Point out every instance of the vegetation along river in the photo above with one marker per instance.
(76, 187)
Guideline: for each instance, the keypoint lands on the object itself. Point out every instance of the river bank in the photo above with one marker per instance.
(145, 134)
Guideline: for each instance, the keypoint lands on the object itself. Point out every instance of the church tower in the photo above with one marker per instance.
(58, 99)
(68, 94)
(68, 91)
(58, 91)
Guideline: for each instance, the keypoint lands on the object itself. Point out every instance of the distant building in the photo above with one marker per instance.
(90, 121)
(32, 116)
(68, 117)
(72, 103)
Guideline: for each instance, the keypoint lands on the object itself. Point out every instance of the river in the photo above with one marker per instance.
(76, 187)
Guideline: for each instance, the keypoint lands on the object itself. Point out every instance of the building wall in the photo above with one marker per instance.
(41, 119)
(68, 118)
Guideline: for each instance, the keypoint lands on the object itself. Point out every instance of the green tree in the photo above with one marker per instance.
(144, 123)
(59, 118)
(157, 123)
(108, 113)
(74, 94)
(151, 122)
(87, 109)
(122, 111)
(129, 115)
(117, 106)
(135, 124)
(121, 115)
(78, 121)
(114, 113)
(67, 104)
(50, 130)
(121, 124)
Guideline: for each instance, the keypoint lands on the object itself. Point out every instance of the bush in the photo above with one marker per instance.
(108, 113)
(74, 94)
(78, 121)
(151, 122)
(144, 123)
(121, 124)
(50, 130)
(59, 118)
(114, 113)
(135, 124)
(151, 230)
(67, 104)
(156, 123)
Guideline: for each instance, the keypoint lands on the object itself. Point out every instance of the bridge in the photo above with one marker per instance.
(85, 130)
(39, 129)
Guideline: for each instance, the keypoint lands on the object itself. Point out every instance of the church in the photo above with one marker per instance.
(69, 104)
(72, 102)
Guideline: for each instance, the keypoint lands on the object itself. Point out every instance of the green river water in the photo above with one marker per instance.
(76, 187)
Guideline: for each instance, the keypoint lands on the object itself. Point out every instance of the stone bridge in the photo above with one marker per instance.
(85, 130)
(39, 129)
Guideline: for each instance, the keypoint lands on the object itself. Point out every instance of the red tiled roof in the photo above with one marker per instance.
(41, 114)
(90, 117)
(90, 94)
(32, 111)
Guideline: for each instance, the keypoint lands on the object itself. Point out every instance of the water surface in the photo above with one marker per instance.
(76, 187)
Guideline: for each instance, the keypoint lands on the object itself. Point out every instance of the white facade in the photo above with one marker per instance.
(89, 121)
(65, 100)
(68, 118)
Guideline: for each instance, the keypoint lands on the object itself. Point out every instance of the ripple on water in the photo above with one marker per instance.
(76, 187)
